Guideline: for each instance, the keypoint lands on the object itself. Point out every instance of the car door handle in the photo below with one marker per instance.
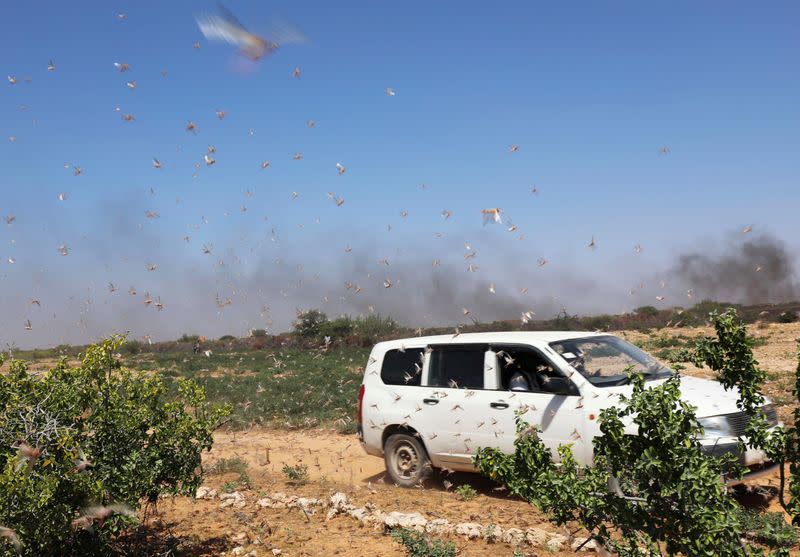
(430, 401)
(500, 405)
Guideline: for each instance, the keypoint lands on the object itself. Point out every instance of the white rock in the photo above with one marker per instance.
(556, 542)
(205, 492)
(590, 545)
(513, 536)
(339, 504)
(237, 551)
(276, 551)
(471, 530)
(415, 521)
(536, 537)
(235, 499)
(439, 526)
(360, 514)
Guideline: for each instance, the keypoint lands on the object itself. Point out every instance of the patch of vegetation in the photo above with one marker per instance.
(787, 317)
(82, 447)
(297, 474)
(646, 311)
(419, 545)
(242, 482)
(226, 465)
(769, 529)
(465, 492)
(347, 427)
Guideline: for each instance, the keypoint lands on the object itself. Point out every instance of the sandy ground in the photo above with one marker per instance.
(337, 463)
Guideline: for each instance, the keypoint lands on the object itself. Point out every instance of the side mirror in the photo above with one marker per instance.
(561, 386)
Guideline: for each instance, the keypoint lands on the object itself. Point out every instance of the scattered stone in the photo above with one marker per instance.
(237, 551)
(276, 551)
(239, 538)
(235, 500)
(536, 537)
(204, 492)
(414, 521)
(513, 536)
(339, 504)
(439, 526)
(471, 530)
(556, 542)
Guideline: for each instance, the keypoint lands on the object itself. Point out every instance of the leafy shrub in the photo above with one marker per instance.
(297, 474)
(258, 333)
(646, 311)
(657, 487)
(418, 545)
(227, 338)
(309, 323)
(96, 434)
(466, 492)
(788, 317)
(769, 529)
(339, 328)
(225, 465)
(189, 338)
(242, 482)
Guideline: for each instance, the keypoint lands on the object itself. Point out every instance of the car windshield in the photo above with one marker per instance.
(606, 360)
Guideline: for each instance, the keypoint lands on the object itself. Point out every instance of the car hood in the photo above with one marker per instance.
(709, 397)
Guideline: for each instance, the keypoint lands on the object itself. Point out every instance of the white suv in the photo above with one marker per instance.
(432, 401)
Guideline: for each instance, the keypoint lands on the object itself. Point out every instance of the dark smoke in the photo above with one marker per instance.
(758, 270)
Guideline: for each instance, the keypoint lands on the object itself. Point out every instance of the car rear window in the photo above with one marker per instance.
(402, 367)
(456, 368)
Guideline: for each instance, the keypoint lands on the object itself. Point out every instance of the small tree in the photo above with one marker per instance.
(309, 323)
(653, 488)
(94, 435)
(657, 489)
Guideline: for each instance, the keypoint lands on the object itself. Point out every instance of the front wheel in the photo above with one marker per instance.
(406, 460)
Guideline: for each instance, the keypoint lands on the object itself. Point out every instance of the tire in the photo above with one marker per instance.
(407, 462)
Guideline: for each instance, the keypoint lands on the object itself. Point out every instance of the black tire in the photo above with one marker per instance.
(406, 460)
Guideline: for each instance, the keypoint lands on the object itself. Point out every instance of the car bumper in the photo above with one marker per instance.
(754, 461)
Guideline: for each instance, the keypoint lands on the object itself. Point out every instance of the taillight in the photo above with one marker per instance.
(360, 402)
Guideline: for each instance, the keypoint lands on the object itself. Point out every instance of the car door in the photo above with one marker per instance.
(560, 417)
(452, 401)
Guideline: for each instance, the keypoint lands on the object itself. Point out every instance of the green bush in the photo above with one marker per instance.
(418, 545)
(258, 333)
(96, 434)
(339, 328)
(189, 338)
(769, 529)
(466, 492)
(787, 317)
(653, 489)
(309, 323)
(646, 311)
(297, 474)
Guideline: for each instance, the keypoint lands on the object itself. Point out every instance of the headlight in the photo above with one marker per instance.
(716, 426)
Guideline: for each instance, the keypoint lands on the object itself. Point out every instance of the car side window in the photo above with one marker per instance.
(457, 368)
(402, 367)
(524, 369)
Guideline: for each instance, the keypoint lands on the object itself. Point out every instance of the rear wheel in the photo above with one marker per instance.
(406, 460)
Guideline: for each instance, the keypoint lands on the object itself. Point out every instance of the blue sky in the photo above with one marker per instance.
(589, 91)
